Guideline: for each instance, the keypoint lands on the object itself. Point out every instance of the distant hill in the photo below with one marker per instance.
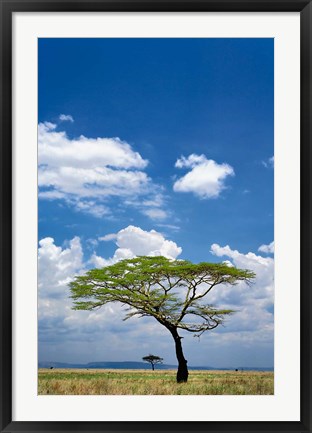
(133, 365)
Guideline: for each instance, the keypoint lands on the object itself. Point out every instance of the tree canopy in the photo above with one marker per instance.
(153, 360)
(171, 291)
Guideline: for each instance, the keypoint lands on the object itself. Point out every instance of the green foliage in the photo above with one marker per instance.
(153, 359)
(171, 291)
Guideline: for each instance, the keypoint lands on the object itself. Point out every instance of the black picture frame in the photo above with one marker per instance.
(8, 7)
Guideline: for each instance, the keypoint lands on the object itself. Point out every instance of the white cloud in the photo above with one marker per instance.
(191, 161)
(142, 242)
(133, 241)
(153, 206)
(92, 243)
(262, 266)
(98, 261)
(61, 327)
(169, 226)
(48, 126)
(66, 118)
(255, 302)
(206, 177)
(93, 182)
(269, 163)
(82, 170)
(228, 263)
(55, 265)
(84, 336)
(155, 214)
(109, 237)
(156, 201)
(269, 249)
(56, 149)
(92, 208)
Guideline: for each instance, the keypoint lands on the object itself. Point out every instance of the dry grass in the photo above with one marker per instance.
(145, 382)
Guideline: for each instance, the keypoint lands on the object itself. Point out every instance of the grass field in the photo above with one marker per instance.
(158, 382)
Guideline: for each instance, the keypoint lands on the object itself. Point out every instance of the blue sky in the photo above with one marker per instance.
(155, 146)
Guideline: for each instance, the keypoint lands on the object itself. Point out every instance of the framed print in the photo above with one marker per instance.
(155, 220)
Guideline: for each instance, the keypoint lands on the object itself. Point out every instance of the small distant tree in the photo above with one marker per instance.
(171, 291)
(153, 360)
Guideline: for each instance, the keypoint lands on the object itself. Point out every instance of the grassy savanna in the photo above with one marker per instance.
(145, 382)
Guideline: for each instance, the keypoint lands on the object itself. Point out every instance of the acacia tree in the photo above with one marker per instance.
(153, 360)
(171, 291)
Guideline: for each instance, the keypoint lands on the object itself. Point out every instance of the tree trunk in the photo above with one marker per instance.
(153, 366)
(182, 373)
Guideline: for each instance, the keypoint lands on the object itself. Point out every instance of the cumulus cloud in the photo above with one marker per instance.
(191, 161)
(84, 336)
(133, 241)
(56, 264)
(151, 243)
(228, 263)
(262, 266)
(205, 179)
(87, 167)
(82, 170)
(63, 331)
(61, 327)
(58, 150)
(66, 118)
(254, 303)
(269, 249)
